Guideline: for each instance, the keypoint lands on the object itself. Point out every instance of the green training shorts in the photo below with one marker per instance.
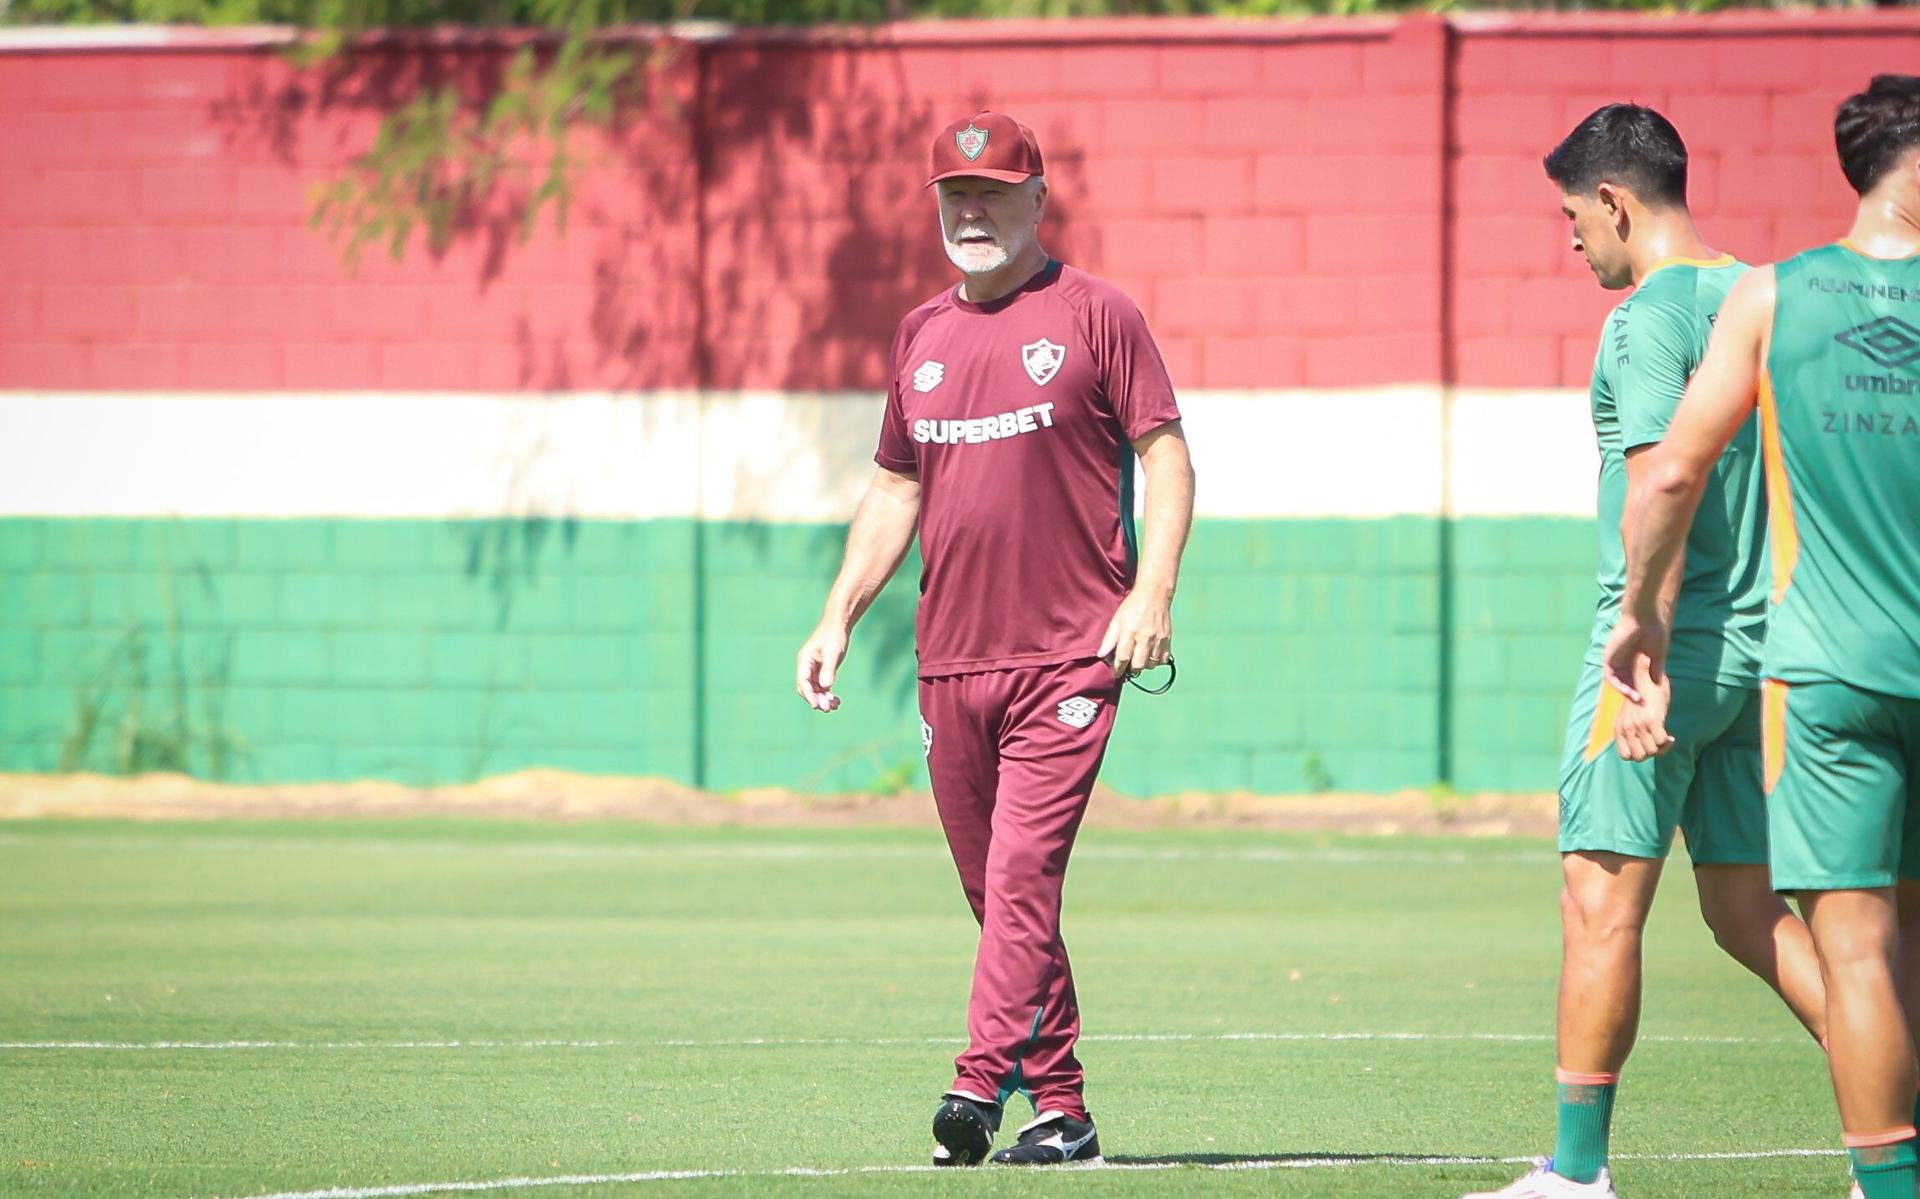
(1708, 785)
(1843, 786)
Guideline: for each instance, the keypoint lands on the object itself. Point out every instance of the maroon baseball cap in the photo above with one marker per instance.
(990, 144)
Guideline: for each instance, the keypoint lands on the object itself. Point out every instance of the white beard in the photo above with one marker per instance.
(986, 258)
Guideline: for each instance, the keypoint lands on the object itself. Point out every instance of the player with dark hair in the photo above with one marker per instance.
(1827, 345)
(1622, 174)
(1626, 146)
(1016, 405)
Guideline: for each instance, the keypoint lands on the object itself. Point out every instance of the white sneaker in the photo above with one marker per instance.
(1542, 1183)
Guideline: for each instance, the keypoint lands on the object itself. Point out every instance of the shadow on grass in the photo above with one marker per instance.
(1290, 1159)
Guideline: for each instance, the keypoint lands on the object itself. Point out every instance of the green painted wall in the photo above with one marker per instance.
(1523, 596)
(1313, 653)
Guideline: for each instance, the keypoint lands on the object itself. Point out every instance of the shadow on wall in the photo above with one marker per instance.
(630, 209)
(633, 200)
(504, 555)
(319, 118)
(821, 234)
(156, 679)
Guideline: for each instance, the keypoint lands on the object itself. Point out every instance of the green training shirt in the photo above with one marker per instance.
(1840, 406)
(1649, 349)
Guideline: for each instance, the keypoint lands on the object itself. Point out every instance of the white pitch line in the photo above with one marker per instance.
(1300, 1163)
(1098, 853)
(861, 1042)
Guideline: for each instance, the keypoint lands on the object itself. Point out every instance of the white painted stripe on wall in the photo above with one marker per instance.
(1315, 453)
(1523, 453)
(143, 37)
(355, 455)
(778, 456)
(788, 456)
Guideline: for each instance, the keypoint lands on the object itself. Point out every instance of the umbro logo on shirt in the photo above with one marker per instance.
(1889, 341)
(928, 376)
(1079, 711)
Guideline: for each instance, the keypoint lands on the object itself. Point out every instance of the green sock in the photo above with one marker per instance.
(1586, 1119)
(1885, 1171)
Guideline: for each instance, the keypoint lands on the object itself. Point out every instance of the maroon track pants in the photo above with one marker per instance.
(1013, 755)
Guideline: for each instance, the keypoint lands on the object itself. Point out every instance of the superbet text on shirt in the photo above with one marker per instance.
(1019, 418)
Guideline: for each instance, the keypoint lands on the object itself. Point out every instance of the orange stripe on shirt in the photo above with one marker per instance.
(1773, 730)
(1785, 534)
(1683, 260)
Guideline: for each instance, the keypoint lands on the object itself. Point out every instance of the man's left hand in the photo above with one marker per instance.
(1140, 635)
(1630, 642)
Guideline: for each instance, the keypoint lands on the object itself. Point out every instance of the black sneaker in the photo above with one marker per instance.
(1051, 1140)
(963, 1129)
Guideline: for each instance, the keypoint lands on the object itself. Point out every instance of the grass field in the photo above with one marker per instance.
(438, 1002)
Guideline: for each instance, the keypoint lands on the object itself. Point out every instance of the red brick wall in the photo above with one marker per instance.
(1754, 102)
(1284, 200)
(154, 235)
(1207, 178)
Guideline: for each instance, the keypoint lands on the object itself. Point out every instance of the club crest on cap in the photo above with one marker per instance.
(972, 142)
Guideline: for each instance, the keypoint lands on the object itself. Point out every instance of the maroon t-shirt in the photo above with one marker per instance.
(1019, 417)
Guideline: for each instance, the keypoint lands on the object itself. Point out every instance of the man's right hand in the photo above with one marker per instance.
(1640, 730)
(819, 661)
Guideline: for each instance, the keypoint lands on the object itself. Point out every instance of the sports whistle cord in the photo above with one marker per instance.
(1162, 689)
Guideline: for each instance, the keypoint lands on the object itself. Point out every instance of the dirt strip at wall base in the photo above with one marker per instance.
(560, 796)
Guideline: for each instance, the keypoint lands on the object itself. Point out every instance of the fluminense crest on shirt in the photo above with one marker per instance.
(1042, 359)
(1079, 711)
(972, 142)
(928, 376)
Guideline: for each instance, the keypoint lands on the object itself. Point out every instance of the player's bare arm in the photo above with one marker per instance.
(882, 531)
(1720, 398)
(1140, 635)
(1640, 730)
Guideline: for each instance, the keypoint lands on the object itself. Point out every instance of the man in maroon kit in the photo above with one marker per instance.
(1017, 402)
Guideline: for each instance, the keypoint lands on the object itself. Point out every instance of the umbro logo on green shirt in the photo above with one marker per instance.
(1889, 341)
